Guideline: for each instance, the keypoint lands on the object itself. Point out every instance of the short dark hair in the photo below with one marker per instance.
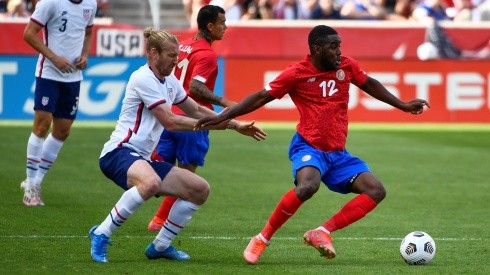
(318, 35)
(208, 14)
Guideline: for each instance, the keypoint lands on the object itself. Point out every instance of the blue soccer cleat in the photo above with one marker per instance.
(170, 253)
(99, 246)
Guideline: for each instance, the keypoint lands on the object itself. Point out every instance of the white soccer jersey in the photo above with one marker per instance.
(64, 24)
(136, 127)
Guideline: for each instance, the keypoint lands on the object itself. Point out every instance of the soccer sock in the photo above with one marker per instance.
(284, 210)
(34, 149)
(51, 148)
(180, 214)
(162, 213)
(129, 202)
(353, 211)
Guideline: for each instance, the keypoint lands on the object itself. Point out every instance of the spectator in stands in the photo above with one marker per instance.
(191, 8)
(102, 8)
(363, 10)
(3, 8)
(428, 11)
(404, 8)
(292, 9)
(482, 10)
(398, 9)
(233, 8)
(15, 8)
(257, 9)
(325, 9)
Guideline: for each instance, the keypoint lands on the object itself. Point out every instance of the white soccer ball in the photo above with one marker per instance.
(427, 51)
(418, 248)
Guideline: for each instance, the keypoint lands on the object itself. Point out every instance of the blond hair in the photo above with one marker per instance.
(156, 39)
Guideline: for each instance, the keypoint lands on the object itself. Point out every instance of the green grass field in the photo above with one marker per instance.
(437, 180)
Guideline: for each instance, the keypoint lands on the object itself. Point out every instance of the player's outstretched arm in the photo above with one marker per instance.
(374, 88)
(247, 105)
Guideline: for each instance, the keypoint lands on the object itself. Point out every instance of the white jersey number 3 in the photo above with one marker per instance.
(330, 85)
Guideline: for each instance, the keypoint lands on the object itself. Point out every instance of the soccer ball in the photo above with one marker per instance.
(427, 51)
(417, 248)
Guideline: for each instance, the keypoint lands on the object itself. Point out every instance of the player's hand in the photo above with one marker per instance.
(63, 65)
(249, 129)
(416, 106)
(207, 122)
(81, 63)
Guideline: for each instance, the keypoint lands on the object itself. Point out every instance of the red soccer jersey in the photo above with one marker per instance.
(321, 98)
(197, 60)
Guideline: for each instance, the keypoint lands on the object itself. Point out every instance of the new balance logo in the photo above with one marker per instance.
(311, 79)
(287, 213)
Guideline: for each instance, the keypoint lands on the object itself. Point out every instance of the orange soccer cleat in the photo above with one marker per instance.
(320, 240)
(254, 249)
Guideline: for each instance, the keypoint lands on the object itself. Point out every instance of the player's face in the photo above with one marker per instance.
(167, 59)
(218, 28)
(328, 55)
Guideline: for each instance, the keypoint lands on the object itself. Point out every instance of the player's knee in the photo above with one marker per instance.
(306, 190)
(201, 192)
(151, 187)
(61, 134)
(378, 193)
(41, 131)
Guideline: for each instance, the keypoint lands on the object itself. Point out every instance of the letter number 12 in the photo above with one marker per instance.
(330, 85)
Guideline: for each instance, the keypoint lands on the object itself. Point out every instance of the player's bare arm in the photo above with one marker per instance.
(201, 91)
(82, 62)
(173, 122)
(194, 110)
(31, 37)
(247, 105)
(374, 88)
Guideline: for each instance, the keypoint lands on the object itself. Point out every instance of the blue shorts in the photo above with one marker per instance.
(337, 168)
(186, 147)
(58, 98)
(115, 165)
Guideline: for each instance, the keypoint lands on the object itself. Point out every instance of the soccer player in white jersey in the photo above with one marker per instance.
(63, 52)
(125, 158)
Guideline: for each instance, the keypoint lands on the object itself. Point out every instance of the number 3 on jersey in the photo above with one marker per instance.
(330, 85)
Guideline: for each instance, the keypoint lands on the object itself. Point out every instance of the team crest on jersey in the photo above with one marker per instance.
(340, 74)
(45, 100)
(86, 14)
(170, 92)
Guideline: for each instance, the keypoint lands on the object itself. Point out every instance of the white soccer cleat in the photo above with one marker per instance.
(37, 190)
(30, 194)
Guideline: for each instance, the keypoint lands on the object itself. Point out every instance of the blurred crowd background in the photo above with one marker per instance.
(237, 10)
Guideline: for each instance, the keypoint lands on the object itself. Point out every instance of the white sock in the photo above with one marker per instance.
(129, 202)
(180, 214)
(51, 148)
(323, 229)
(34, 149)
(262, 238)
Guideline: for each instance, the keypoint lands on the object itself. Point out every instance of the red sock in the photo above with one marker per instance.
(162, 213)
(353, 211)
(284, 210)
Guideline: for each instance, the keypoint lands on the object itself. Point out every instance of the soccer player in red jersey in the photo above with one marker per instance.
(197, 70)
(319, 87)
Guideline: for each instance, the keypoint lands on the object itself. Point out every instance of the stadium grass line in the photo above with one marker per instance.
(224, 238)
(371, 126)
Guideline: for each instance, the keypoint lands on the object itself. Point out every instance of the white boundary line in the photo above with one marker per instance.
(227, 238)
